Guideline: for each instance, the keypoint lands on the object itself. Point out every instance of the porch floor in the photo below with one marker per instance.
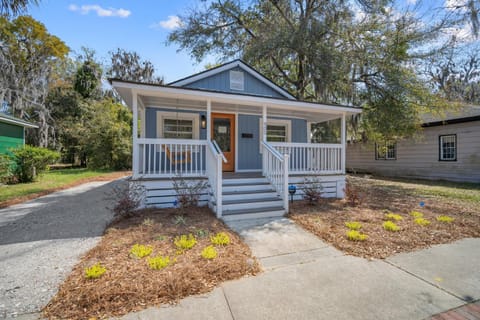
(241, 175)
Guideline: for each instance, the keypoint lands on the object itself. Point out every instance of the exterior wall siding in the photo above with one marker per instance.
(11, 136)
(419, 158)
(221, 82)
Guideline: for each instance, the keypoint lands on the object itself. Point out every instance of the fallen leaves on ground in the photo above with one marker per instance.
(130, 285)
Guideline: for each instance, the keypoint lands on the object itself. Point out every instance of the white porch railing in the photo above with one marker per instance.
(214, 158)
(169, 157)
(312, 157)
(275, 169)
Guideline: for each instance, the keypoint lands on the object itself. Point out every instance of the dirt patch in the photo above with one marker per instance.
(104, 177)
(327, 220)
(130, 285)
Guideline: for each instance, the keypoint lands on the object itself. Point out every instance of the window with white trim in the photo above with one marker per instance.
(277, 130)
(177, 126)
(386, 151)
(448, 147)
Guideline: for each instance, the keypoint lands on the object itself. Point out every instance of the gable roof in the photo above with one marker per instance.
(463, 114)
(230, 65)
(13, 120)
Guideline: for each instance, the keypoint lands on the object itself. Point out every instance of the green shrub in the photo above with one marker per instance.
(32, 161)
(390, 226)
(416, 214)
(220, 239)
(159, 262)
(353, 225)
(446, 219)
(95, 271)
(140, 251)
(7, 169)
(393, 216)
(354, 235)
(185, 242)
(209, 252)
(422, 222)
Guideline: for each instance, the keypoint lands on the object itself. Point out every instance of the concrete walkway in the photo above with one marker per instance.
(305, 278)
(42, 239)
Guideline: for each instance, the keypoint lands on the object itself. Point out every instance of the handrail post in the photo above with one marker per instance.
(286, 164)
(219, 186)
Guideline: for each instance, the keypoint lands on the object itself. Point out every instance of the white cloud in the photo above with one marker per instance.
(456, 5)
(101, 12)
(171, 23)
(412, 2)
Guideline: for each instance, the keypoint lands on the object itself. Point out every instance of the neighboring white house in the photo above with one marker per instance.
(231, 122)
(447, 148)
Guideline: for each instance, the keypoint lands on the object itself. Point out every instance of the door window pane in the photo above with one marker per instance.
(221, 133)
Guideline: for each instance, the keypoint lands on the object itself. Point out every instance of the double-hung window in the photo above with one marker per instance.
(177, 126)
(386, 151)
(448, 147)
(277, 130)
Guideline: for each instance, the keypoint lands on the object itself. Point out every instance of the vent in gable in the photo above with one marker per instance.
(237, 81)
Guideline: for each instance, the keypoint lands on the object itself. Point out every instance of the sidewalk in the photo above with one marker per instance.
(304, 278)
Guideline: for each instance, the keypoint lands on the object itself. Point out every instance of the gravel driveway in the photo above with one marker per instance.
(41, 240)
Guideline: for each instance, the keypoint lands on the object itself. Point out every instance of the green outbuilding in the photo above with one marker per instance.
(12, 132)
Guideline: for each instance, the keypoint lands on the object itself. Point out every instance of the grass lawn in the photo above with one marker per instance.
(52, 181)
(129, 282)
(382, 197)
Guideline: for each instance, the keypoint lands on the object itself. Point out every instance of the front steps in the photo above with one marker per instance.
(250, 198)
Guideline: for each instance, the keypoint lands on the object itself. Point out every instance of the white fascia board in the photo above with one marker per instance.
(231, 65)
(21, 123)
(179, 93)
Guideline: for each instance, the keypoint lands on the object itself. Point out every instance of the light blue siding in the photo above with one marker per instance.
(221, 82)
(248, 152)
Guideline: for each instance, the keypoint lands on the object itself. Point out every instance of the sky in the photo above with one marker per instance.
(136, 25)
(142, 26)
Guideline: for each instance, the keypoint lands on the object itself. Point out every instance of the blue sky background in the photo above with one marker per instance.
(140, 30)
(142, 26)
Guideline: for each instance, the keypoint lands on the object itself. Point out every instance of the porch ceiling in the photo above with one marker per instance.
(196, 105)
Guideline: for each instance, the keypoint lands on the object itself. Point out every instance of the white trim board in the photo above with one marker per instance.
(228, 66)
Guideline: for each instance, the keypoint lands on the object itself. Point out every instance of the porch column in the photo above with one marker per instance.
(264, 123)
(344, 138)
(136, 154)
(209, 121)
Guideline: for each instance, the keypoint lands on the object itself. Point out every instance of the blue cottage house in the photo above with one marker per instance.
(231, 125)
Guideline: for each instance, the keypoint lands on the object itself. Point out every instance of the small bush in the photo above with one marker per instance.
(159, 262)
(7, 169)
(128, 197)
(188, 191)
(140, 251)
(185, 242)
(178, 219)
(416, 214)
(393, 216)
(352, 195)
(390, 226)
(95, 271)
(422, 222)
(312, 190)
(148, 222)
(220, 239)
(209, 252)
(446, 219)
(354, 235)
(32, 161)
(201, 233)
(353, 225)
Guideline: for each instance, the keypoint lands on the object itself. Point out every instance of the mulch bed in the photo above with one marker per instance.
(107, 177)
(130, 285)
(327, 220)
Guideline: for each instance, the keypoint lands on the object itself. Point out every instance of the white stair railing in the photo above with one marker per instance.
(214, 159)
(275, 169)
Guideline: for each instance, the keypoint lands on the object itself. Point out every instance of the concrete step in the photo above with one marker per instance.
(249, 203)
(256, 194)
(244, 181)
(246, 187)
(255, 213)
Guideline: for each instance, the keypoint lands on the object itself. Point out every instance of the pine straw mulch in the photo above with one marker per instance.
(130, 285)
(327, 220)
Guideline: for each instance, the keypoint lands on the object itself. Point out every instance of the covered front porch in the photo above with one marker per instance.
(202, 134)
